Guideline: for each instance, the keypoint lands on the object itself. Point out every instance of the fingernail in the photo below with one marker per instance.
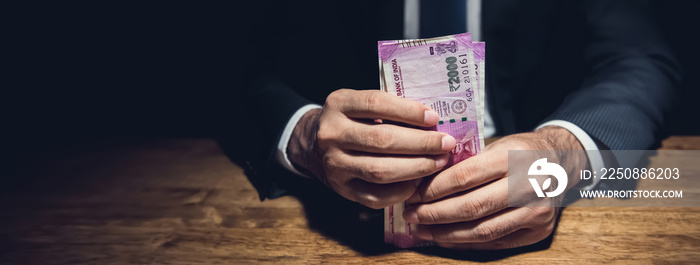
(441, 162)
(410, 215)
(423, 233)
(448, 143)
(431, 117)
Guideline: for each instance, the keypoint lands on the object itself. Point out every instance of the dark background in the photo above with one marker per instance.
(77, 72)
(679, 19)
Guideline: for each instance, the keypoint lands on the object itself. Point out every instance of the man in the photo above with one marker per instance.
(563, 75)
(600, 68)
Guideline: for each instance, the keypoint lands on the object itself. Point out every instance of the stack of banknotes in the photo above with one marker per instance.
(447, 74)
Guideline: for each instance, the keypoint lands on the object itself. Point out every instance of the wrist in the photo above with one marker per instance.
(573, 158)
(559, 138)
(302, 143)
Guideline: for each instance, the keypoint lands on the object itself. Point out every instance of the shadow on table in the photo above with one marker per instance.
(362, 229)
(356, 226)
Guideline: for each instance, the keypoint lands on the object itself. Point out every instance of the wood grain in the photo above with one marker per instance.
(184, 202)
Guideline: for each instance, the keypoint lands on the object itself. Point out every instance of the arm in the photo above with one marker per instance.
(252, 137)
(630, 88)
(632, 82)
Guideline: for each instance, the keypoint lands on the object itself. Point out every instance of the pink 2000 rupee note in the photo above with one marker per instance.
(440, 73)
(479, 50)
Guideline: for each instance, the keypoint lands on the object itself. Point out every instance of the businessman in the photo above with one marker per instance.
(561, 75)
(288, 84)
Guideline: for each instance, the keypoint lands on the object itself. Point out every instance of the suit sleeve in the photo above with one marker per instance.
(262, 104)
(251, 141)
(632, 79)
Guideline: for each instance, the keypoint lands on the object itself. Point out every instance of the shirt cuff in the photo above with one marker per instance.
(592, 151)
(282, 157)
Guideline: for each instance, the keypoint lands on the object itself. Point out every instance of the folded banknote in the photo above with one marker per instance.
(446, 74)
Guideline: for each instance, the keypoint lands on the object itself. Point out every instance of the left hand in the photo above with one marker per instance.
(481, 218)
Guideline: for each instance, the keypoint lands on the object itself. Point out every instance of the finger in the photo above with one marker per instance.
(381, 105)
(378, 196)
(388, 169)
(481, 202)
(393, 139)
(482, 230)
(522, 237)
(465, 175)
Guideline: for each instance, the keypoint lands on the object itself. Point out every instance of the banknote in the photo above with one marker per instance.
(447, 74)
(479, 49)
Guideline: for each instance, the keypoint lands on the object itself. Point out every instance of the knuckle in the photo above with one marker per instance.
(519, 145)
(430, 193)
(371, 202)
(349, 135)
(472, 208)
(542, 215)
(374, 101)
(324, 133)
(415, 110)
(429, 143)
(464, 176)
(380, 138)
(485, 233)
(428, 214)
(547, 213)
(548, 230)
(377, 173)
(332, 161)
(427, 167)
(335, 97)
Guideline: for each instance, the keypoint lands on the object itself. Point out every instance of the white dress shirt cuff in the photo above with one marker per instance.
(592, 151)
(282, 157)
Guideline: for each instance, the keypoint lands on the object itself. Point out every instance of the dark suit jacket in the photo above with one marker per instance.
(602, 65)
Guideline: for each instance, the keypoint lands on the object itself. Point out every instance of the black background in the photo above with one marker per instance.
(680, 20)
(75, 72)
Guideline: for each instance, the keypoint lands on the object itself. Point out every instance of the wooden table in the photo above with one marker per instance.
(184, 202)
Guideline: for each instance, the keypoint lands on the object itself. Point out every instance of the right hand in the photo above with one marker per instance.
(348, 146)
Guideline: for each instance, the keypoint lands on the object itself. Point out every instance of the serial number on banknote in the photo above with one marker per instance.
(453, 73)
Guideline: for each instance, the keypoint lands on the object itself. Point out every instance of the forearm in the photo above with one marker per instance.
(255, 129)
(632, 78)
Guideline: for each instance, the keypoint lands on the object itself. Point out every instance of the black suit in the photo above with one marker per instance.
(601, 65)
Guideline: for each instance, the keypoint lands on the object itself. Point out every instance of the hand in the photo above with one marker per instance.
(348, 145)
(481, 218)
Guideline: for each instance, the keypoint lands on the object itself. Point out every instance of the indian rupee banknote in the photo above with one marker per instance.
(447, 74)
